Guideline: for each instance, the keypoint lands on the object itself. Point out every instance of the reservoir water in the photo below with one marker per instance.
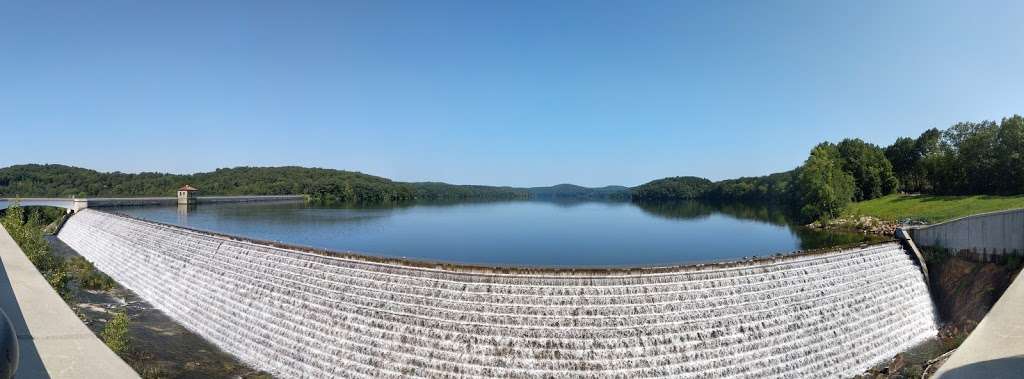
(521, 233)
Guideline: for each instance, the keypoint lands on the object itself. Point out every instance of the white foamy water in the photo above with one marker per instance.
(297, 314)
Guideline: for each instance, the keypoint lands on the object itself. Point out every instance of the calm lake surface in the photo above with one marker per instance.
(522, 233)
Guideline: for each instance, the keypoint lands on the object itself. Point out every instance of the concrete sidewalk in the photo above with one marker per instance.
(995, 349)
(52, 341)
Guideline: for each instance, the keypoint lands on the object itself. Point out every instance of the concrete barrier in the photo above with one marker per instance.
(52, 341)
(986, 236)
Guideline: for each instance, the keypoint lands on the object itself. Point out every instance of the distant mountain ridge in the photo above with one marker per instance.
(328, 185)
(572, 191)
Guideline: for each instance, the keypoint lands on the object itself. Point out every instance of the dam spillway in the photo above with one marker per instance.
(297, 313)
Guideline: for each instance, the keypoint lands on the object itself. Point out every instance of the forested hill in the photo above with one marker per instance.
(572, 191)
(680, 187)
(968, 158)
(445, 191)
(321, 184)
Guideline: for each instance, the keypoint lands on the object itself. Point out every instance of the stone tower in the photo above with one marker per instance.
(187, 195)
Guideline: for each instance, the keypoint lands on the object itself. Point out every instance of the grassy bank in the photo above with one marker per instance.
(930, 208)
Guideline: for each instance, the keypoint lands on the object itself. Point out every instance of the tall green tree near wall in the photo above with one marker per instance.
(912, 158)
(823, 186)
(872, 173)
(904, 158)
(1010, 152)
(927, 151)
(975, 162)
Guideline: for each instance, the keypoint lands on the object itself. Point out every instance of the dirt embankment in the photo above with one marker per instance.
(965, 290)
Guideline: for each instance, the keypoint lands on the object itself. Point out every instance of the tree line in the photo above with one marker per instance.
(968, 158)
(321, 185)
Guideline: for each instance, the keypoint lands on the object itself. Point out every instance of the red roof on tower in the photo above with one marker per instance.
(188, 188)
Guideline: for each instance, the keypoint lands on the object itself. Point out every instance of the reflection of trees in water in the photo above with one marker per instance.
(355, 214)
(564, 202)
(766, 213)
(695, 209)
(818, 239)
(677, 210)
(300, 213)
(574, 202)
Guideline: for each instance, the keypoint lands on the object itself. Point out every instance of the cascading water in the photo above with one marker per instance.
(298, 314)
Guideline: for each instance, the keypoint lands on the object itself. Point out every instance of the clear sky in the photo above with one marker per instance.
(484, 92)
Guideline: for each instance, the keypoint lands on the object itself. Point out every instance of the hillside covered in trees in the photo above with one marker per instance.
(968, 158)
(575, 192)
(323, 185)
(679, 187)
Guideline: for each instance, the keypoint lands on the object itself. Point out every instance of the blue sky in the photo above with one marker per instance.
(503, 93)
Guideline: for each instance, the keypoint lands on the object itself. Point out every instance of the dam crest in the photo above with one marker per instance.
(295, 313)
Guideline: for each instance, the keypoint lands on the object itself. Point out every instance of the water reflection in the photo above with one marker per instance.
(547, 233)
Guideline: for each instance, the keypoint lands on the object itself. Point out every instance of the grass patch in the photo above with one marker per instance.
(930, 208)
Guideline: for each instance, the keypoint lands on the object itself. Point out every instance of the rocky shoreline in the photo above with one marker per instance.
(862, 224)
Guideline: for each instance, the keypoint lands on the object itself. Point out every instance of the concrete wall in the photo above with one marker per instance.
(297, 313)
(986, 236)
(60, 203)
(52, 341)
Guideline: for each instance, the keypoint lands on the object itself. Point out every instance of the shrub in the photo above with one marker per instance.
(1013, 262)
(87, 275)
(115, 334)
(59, 280)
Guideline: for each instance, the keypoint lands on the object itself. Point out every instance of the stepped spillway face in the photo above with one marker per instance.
(300, 314)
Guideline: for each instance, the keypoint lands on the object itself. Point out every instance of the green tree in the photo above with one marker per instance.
(969, 164)
(1010, 155)
(927, 150)
(903, 156)
(872, 172)
(823, 187)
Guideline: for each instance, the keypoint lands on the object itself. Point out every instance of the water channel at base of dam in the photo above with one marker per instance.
(521, 233)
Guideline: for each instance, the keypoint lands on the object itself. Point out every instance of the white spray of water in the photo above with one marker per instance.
(297, 314)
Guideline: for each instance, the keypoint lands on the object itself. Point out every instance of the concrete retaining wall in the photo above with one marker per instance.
(295, 313)
(986, 236)
(52, 341)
